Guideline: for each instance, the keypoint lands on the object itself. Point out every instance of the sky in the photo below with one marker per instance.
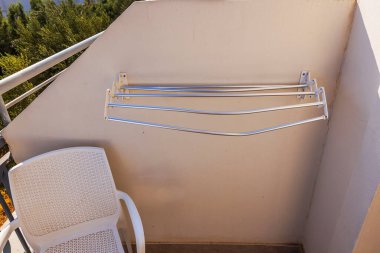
(4, 4)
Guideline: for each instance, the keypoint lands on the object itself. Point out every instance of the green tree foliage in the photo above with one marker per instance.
(49, 27)
(52, 28)
(10, 64)
(16, 18)
(5, 39)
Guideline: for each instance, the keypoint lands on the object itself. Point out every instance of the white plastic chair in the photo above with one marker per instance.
(66, 201)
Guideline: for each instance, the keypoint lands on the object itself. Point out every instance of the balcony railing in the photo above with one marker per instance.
(15, 80)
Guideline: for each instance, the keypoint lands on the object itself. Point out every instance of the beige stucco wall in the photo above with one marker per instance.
(350, 170)
(189, 187)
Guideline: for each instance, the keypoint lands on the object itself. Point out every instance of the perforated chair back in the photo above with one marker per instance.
(66, 201)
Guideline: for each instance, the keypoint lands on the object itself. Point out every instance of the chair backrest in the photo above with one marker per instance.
(66, 199)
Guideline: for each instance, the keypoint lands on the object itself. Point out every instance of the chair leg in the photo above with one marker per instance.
(8, 212)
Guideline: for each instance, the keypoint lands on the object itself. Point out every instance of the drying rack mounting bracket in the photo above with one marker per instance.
(311, 84)
(119, 84)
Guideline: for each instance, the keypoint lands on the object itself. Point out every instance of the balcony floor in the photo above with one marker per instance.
(222, 248)
(196, 248)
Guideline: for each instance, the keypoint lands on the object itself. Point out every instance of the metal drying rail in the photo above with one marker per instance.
(306, 87)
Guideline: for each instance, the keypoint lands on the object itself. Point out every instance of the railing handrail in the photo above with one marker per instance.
(33, 90)
(24, 75)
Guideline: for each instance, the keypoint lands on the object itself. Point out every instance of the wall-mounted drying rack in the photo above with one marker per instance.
(121, 91)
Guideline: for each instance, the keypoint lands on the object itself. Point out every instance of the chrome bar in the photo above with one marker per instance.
(213, 86)
(188, 110)
(24, 75)
(215, 95)
(33, 90)
(324, 100)
(215, 90)
(192, 130)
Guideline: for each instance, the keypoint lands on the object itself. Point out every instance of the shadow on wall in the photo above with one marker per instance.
(349, 172)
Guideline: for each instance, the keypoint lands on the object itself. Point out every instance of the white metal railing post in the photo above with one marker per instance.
(5, 118)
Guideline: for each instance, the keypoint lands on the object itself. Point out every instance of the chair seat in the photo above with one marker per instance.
(99, 242)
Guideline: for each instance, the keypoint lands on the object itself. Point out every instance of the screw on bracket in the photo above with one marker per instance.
(304, 80)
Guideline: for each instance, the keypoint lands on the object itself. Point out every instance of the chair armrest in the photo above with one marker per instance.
(136, 221)
(6, 233)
